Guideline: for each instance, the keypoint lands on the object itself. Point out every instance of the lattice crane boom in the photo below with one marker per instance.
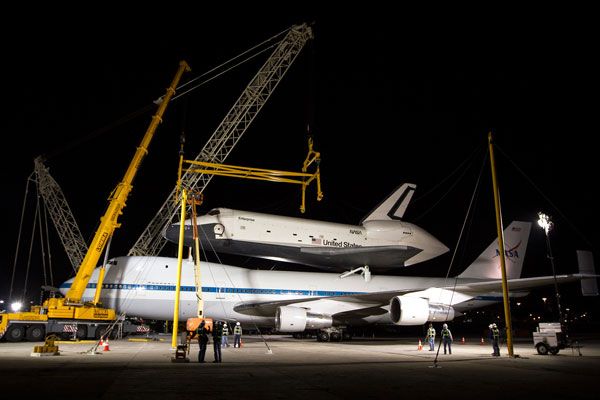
(60, 212)
(228, 133)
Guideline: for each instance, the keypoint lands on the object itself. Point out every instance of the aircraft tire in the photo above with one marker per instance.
(554, 350)
(323, 337)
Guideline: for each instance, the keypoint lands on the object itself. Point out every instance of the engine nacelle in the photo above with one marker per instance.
(407, 310)
(296, 319)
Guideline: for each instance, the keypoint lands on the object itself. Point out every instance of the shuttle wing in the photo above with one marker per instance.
(339, 259)
(329, 251)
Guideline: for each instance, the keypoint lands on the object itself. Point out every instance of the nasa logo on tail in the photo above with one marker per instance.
(510, 253)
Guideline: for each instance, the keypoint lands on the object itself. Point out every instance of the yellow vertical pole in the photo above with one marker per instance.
(500, 229)
(179, 262)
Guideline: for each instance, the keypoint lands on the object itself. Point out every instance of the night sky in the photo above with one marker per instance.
(388, 101)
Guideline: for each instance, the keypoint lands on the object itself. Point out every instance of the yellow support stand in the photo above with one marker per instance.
(272, 175)
(50, 348)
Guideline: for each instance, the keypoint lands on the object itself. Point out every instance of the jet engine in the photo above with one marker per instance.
(407, 310)
(296, 319)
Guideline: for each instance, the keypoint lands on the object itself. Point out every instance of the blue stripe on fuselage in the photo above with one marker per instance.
(211, 289)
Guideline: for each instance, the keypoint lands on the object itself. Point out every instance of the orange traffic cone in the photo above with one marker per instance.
(420, 345)
(105, 345)
(462, 341)
(482, 341)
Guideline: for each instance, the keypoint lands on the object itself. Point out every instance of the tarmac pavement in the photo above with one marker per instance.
(285, 368)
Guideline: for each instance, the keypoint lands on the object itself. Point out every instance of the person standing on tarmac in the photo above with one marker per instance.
(447, 338)
(237, 335)
(217, 335)
(431, 337)
(495, 337)
(225, 340)
(202, 334)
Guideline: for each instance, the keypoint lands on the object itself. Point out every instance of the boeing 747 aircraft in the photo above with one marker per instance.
(297, 301)
(381, 241)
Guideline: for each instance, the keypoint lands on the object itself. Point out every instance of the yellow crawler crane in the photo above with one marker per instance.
(70, 313)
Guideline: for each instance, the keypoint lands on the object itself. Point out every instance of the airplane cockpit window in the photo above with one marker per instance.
(214, 211)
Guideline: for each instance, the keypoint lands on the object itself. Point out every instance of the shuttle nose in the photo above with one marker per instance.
(171, 233)
(431, 247)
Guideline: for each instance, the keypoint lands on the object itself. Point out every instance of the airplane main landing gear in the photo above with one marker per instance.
(333, 334)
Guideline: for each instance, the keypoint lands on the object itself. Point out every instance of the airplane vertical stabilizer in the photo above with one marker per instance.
(487, 265)
(394, 206)
(589, 286)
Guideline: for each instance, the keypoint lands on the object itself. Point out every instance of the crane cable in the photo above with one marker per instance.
(145, 109)
(462, 229)
(269, 351)
(12, 279)
(545, 197)
(470, 157)
(222, 65)
(42, 244)
(48, 245)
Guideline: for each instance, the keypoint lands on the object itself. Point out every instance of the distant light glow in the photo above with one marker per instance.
(16, 306)
(545, 222)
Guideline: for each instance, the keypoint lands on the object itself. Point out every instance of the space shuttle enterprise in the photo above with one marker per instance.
(381, 242)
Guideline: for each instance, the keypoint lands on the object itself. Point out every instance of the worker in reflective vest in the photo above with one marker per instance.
(237, 335)
(225, 338)
(202, 334)
(217, 335)
(495, 337)
(431, 337)
(447, 338)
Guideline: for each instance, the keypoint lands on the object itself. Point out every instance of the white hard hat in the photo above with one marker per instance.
(224, 323)
(494, 325)
(237, 323)
(445, 325)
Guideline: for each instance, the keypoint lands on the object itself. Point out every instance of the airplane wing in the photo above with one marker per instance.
(358, 306)
(520, 283)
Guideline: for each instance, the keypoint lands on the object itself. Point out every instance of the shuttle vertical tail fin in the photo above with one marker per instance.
(487, 265)
(394, 206)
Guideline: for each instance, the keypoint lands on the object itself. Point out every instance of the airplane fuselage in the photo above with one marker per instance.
(145, 287)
